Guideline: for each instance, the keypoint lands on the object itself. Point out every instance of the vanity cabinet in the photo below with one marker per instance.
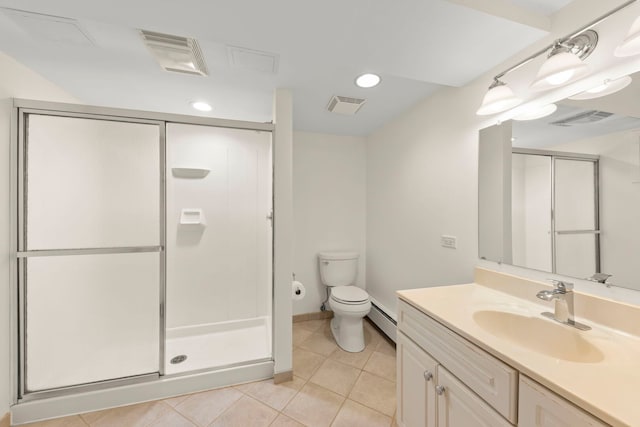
(446, 381)
(540, 407)
(437, 371)
(430, 396)
(458, 406)
(417, 389)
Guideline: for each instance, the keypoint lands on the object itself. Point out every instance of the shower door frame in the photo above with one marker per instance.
(22, 254)
(23, 107)
(561, 155)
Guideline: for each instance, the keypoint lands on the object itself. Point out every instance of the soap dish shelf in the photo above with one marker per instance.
(192, 217)
(191, 173)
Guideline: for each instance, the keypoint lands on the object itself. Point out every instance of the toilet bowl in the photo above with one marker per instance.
(348, 312)
(338, 271)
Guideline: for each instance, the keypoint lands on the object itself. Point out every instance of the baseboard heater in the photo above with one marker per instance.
(383, 319)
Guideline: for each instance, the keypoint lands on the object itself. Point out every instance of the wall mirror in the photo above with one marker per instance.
(562, 193)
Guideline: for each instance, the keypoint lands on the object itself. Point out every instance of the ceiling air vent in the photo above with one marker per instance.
(255, 60)
(49, 27)
(345, 105)
(583, 118)
(175, 53)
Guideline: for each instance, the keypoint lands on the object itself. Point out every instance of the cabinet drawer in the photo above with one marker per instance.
(491, 379)
(540, 407)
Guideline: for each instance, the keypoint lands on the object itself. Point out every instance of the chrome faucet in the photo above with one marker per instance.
(562, 295)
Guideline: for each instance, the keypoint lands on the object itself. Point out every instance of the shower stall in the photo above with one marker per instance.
(143, 247)
(555, 212)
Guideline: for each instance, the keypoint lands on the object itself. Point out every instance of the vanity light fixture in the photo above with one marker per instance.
(201, 106)
(631, 44)
(367, 80)
(606, 88)
(564, 62)
(498, 98)
(538, 113)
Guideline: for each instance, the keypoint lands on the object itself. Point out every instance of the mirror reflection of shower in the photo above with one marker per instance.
(555, 219)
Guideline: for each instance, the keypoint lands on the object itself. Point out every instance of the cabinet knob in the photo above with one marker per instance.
(428, 375)
(440, 390)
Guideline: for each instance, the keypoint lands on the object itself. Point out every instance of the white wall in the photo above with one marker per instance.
(422, 183)
(620, 210)
(17, 82)
(282, 230)
(220, 271)
(531, 211)
(329, 182)
(494, 193)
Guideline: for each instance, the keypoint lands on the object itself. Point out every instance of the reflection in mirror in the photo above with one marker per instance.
(571, 188)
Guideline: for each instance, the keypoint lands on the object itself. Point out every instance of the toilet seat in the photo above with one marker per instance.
(351, 295)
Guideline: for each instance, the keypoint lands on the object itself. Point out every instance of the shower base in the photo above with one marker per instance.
(218, 344)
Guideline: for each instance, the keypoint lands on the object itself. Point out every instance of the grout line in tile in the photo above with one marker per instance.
(364, 404)
(333, 420)
(160, 416)
(194, 422)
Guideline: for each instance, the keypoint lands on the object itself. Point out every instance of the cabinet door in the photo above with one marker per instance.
(416, 389)
(539, 407)
(458, 406)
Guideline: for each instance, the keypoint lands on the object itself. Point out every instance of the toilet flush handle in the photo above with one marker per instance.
(325, 262)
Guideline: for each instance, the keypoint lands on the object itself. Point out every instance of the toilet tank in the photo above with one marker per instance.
(338, 268)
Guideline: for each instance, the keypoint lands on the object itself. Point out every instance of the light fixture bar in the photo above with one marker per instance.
(564, 39)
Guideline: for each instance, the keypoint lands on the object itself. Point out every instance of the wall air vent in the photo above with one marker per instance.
(345, 105)
(583, 118)
(175, 53)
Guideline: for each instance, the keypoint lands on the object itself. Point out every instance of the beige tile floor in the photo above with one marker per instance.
(331, 387)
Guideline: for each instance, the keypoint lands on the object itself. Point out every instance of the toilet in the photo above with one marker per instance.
(338, 271)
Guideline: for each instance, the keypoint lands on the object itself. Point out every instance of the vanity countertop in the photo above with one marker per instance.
(609, 388)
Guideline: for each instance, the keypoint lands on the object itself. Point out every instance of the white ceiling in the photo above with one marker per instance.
(417, 46)
(541, 134)
(545, 7)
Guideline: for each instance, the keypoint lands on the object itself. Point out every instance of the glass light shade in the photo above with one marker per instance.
(631, 44)
(498, 99)
(538, 113)
(368, 80)
(559, 69)
(606, 88)
(201, 106)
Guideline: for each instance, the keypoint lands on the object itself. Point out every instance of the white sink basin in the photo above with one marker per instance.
(539, 335)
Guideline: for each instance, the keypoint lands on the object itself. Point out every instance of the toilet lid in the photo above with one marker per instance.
(349, 294)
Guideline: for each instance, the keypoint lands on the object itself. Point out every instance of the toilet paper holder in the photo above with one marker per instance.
(297, 291)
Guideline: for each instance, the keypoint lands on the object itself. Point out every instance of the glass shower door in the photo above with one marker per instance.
(89, 249)
(576, 218)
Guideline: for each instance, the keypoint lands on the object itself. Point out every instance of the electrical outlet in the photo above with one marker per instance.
(448, 241)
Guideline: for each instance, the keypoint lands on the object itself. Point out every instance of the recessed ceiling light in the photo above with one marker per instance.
(368, 80)
(201, 106)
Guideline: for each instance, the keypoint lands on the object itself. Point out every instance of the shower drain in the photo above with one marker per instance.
(179, 359)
